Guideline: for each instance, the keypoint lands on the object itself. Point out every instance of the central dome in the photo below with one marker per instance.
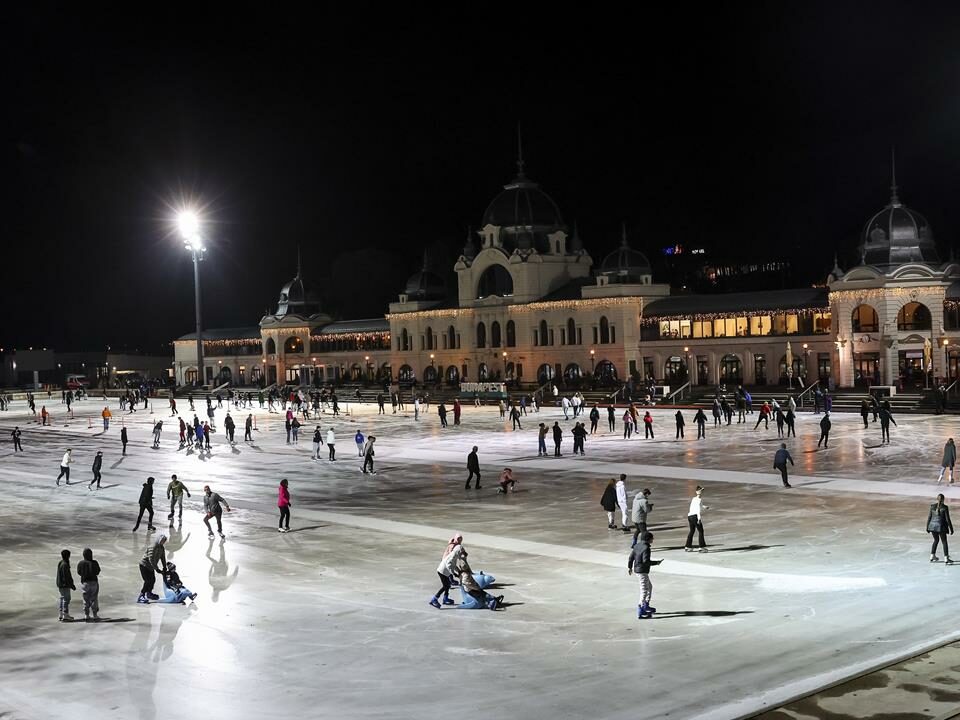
(897, 235)
(523, 205)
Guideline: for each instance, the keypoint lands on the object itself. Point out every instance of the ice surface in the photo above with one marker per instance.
(331, 620)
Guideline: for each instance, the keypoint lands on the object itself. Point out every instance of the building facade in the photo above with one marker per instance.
(531, 306)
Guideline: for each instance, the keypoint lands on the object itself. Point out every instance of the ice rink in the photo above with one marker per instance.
(800, 587)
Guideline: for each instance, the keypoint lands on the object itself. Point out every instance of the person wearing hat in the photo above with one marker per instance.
(639, 564)
(447, 569)
(368, 454)
(154, 557)
(825, 425)
(97, 464)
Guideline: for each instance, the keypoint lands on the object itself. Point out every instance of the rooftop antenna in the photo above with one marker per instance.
(623, 240)
(298, 260)
(894, 200)
(519, 152)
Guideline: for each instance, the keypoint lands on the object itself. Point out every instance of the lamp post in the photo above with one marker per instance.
(593, 359)
(366, 367)
(504, 355)
(686, 357)
(806, 364)
(433, 374)
(188, 225)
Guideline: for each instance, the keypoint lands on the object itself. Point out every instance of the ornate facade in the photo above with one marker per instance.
(531, 306)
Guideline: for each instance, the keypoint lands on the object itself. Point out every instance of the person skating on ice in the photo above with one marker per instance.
(505, 480)
(283, 502)
(473, 466)
(359, 440)
(638, 563)
(175, 491)
(780, 460)
(153, 561)
(886, 417)
(938, 525)
(701, 421)
(146, 505)
(825, 426)
(949, 460)
(212, 509)
(15, 434)
(680, 423)
(65, 585)
(65, 466)
(88, 570)
(622, 502)
(447, 569)
(368, 454)
(695, 521)
(608, 501)
(639, 513)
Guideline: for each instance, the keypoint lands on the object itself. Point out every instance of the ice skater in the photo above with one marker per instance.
(695, 521)
(506, 479)
(608, 501)
(447, 569)
(473, 466)
(157, 429)
(317, 442)
(680, 423)
(153, 561)
(886, 417)
(146, 505)
(212, 509)
(65, 466)
(949, 460)
(648, 425)
(594, 419)
(938, 525)
(639, 564)
(175, 491)
(97, 464)
(88, 571)
(65, 585)
(641, 510)
(283, 502)
(780, 460)
(15, 434)
(368, 454)
(622, 502)
(332, 445)
(542, 440)
(174, 591)
(248, 429)
(825, 425)
(557, 439)
(358, 439)
(701, 421)
(123, 440)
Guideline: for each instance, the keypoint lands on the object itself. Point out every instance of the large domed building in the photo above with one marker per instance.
(530, 307)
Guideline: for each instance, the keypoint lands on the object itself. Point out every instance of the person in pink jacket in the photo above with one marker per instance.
(283, 502)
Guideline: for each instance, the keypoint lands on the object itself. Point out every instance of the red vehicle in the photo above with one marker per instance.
(75, 382)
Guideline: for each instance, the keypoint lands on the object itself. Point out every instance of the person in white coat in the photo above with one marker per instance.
(695, 520)
(622, 502)
(65, 465)
(447, 569)
(416, 408)
(331, 442)
(565, 404)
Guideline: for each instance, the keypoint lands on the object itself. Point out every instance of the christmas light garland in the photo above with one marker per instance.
(880, 293)
(656, 319)
(520, 309)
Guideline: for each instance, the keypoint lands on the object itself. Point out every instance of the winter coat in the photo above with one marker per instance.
(781, 458)
(448, 563)
(679, 417)
(938, 519)
(621, 494)
(283, 496)
(949, 455)
(98, 462)
(331, 438)
(473, 462)
(64, 576)
(639, 560)
(641, 509)
(146, 495)
(825, 425)
(700, 417)
(608, 501)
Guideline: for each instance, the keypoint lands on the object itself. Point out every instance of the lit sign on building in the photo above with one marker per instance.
(679, 250)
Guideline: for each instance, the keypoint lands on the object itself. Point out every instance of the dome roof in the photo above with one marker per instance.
(625, 265)
(296, 300)
(425, 285)
(897, 235)
(522, 204)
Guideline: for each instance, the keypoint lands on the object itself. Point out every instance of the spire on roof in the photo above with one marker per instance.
(623, 239)
(520, 173)
(298, 260)
(894, 200)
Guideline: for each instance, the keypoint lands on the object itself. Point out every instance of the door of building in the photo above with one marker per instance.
(866, 369)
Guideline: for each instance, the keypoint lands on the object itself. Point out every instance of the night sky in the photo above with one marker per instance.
(758, 131)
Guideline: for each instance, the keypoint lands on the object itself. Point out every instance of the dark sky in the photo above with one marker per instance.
(758, 130)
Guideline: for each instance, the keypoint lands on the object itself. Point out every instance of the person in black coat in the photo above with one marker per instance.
(938, 525)
(146, 504)
(701, 420)
(473, 465)
(612, 417)
(557, 439)
(780, 463)
(594, 419)
(608, 501)
(679, 417)
(825, 425)
(97, 464)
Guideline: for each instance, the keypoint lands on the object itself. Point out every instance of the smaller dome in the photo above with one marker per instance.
(296, 300)
(626, 265)
(425, 285)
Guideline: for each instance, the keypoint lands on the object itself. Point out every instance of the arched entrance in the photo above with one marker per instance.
(406, 374)
(913, 316)
(731, 370)
(225, 376)
(430, 374)
(482, 372)
(544, 373)
(453, 375)
(606, 373)
(572, 373)
(675, 371)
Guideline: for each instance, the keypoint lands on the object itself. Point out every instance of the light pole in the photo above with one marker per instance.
(592, 360)
(434, 373)
(504, 356)
(806, 364)
(189, 226)
(686, 356)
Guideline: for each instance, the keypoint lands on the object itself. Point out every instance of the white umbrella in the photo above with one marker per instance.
(789, 363)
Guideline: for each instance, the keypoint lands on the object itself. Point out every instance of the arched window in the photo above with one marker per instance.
(604, 331)
(430, 374)
(495, 334)
(453, 375)
(481, 335)
(293, 344)
(731, 370)
(451, 337)
(572, 373)
(429, 335)
(404, 340)
(406, 373)
(511, 334)
(865, 319)
(571, 332)
(495, 281)
(913, 316)
(271, 347)
(544, 337)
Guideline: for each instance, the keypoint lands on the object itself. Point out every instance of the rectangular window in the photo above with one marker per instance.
(596, 341)
(821, 323)
(793, 325)
(779, 324)
(444, 341)
(551, 336)
(579, 336)
(741, 327)
(519, 370)
(458, 341)
(719, 328)
(563, 336)
(613, 334)
(731, 326)
(536, 337)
